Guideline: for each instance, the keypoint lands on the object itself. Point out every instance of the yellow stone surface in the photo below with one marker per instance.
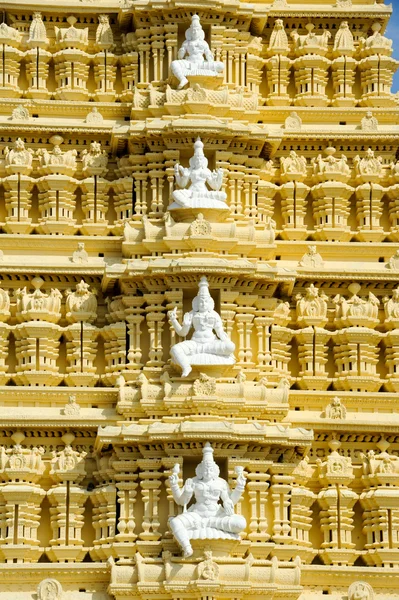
(302, 265)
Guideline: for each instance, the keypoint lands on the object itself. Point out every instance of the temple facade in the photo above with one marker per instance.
(199, 301)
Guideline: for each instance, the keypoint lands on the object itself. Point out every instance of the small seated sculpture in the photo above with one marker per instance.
(194, 57)
(205, 346)
(206, 518)
(198, 195)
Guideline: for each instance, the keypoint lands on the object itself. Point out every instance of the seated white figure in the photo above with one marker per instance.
(206, 518)
(205, 346)
(198, 195)
(194, 57)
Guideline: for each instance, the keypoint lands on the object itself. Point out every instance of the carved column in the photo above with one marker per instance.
(278, 66)
(312, 340)
(17, 188)
(155, 317)
(4, 332)
(20, 497)
(381, 507)
(81, 311)
(266, 193)
(343, 67)
(273, 337)
(143, 36)
(103, 498)
(356, 343)
(37, 59)
(67, 499)
(10, 59)
(228, 310)
(129, 62)
(393, 195)
(156, 176)
(134, 318)
(104, 61)
(302, 499)
(311, 67)
(71, 62)
(331, 196)
(126, 484)
(391, 341)
(244, 319)
(257, 489)
(369, 193)
(114, 350)
(280, 489)
(130, 191)
(336, 500)
(293, 194)
(150, 486)
(95, 191)
(56, 189)
(254, 64)
(37, 336)
(377, 69)
(158, 53)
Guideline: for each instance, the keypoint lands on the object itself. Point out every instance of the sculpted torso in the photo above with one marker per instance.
(207, 495)
(204, 324)
(195, 50)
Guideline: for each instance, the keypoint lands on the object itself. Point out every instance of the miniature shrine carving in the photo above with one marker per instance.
(209, 344)
(206, 518)
(198, 175)
(195, 57)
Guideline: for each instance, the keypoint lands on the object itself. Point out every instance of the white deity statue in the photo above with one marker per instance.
(198, 195)
(194, 57)
(206, 518)
(209, 344)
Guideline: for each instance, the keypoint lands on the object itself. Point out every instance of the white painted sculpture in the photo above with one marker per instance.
(210, 344)
(198, 195)
(206, 518)
(195, 57)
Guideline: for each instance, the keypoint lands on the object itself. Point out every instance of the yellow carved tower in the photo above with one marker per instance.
(199, 261)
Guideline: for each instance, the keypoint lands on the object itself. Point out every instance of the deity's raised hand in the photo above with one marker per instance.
(172, 314)
(174, 477)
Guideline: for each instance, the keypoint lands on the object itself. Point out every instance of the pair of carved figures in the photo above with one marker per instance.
(194, 59)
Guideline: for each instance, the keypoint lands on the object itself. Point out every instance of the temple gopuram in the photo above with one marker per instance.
(199, 300)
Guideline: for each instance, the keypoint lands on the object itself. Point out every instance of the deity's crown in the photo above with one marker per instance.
(207, 453)
(203, 290)
(198, 147)
(195, 20)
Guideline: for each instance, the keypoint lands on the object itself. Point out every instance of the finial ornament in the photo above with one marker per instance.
(209, 344)
(195, 56)
(206, 518)
(198, 195)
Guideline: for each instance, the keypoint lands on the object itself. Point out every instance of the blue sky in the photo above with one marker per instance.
(393, 33)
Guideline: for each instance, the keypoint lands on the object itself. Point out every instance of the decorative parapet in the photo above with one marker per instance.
(312, 308)
(18, 159)
(356, 311)
(81, 305)
(94, 161)
(37, 32)
(71, 37)
(57, 162)
(68, 465)
(37, 305)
